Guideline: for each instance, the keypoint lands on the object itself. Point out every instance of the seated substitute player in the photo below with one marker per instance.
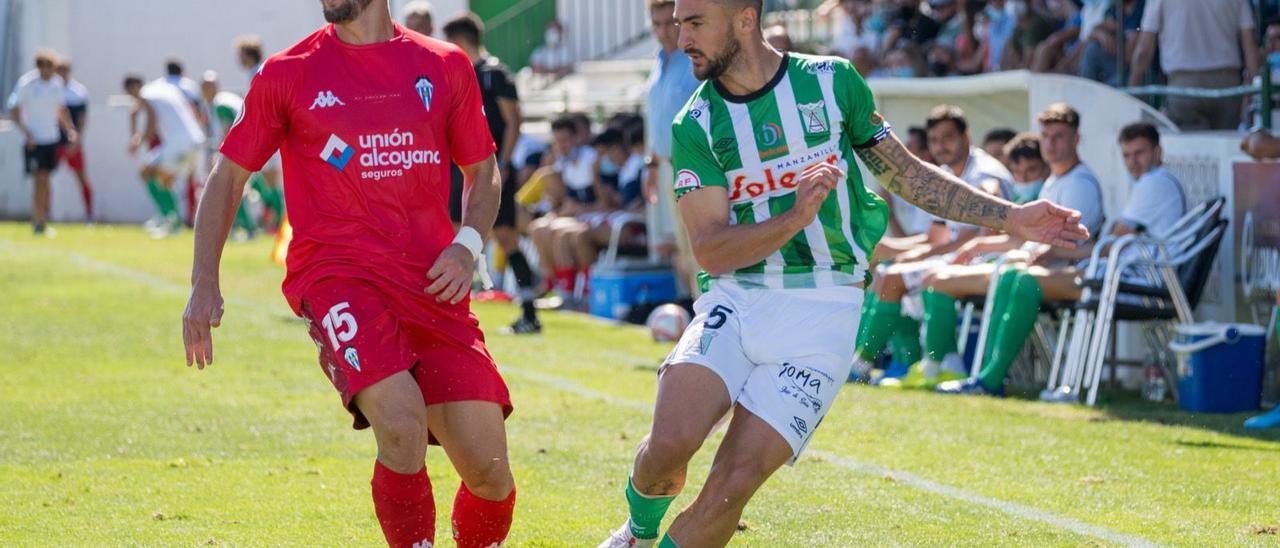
(782, 224)
(940, 346)
(374, 265)
(619, 194)
(1155, 203)
(950, 144)
(570, 191)
(1071, 184)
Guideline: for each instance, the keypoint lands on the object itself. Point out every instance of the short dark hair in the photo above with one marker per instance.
(1023, 146)
(744, 4)
(1140, 130)
(173, 67)
(131, 80)
(1001, 134)
(250, 46)
(583, 121)
(947, 113)
(565, 123)
(1060, 113)
(609, 138)
(917, 131)
(467, 27)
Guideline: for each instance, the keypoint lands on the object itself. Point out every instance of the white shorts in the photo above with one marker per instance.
(177, 162)
(782, 354)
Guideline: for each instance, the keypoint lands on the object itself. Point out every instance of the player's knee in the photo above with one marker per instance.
(402, 442)
(490, 480)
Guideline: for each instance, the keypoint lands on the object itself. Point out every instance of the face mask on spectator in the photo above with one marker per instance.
(607, 167)
(1026, 190)
(902, 72)
(1274, 59)
(939, 69)
(552, 37)
(995, 16)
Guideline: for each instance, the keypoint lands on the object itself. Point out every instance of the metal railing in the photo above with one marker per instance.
(598, 29)
(1263, 90)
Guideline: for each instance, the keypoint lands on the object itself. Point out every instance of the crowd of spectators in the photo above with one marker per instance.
(1186, 43)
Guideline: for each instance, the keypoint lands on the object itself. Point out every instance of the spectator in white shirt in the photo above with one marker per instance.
(38, 107)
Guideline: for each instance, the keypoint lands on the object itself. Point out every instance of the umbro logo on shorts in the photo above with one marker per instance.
(326, 99)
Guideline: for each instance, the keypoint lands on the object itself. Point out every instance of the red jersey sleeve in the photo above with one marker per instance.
(469, 137)
(257, 135)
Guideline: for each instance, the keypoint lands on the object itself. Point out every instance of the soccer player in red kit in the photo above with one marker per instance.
(367, 116)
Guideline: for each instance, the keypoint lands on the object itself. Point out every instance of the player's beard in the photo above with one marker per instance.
(718, 65)
(347, 12)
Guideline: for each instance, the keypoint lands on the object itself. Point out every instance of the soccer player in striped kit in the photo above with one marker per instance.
(782, 225)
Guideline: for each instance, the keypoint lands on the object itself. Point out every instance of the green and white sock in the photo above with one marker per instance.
(1012, 330)
(939, 324)
(667, 542)
(646, 512)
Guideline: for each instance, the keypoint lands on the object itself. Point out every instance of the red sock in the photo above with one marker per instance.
(565, 278)
(480, 523)
(404, 507)
(86, 192)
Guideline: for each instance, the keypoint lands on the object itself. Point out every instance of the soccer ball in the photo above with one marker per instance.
(667, 322)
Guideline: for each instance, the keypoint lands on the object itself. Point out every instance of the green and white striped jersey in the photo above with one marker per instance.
(815, 109)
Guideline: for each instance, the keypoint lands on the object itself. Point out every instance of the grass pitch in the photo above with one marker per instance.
(106, 438)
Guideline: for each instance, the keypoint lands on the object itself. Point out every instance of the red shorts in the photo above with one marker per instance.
(73, 159)
(366, 334)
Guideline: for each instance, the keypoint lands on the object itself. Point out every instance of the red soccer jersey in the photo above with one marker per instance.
(366, 134)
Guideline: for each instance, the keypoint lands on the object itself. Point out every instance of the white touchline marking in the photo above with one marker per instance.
(1025, 512)
(567, 385)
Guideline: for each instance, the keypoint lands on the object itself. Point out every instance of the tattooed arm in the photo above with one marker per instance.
(930, 188)
(944, 195)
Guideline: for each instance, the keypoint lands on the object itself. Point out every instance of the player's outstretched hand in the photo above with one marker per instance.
(1042, 221)
(452, 274)
(204, 312)
(816, 182)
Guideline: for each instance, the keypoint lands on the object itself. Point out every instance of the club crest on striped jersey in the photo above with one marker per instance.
(814, 118)
(699, 109)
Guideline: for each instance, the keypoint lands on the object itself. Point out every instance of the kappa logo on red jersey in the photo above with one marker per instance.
(327, 99)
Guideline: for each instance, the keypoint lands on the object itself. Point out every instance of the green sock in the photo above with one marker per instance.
(868, 310)
(162, 197)
(906, 341)
(646, 512)
(667, 542)
(999, 305)
(244, 220)
(1012, 331)
(939, 324)
(880, 324)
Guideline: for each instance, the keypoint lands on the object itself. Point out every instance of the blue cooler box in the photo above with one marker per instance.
(1219, 367)
(617, 288)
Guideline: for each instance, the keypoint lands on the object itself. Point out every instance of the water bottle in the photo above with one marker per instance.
(1153, 384)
